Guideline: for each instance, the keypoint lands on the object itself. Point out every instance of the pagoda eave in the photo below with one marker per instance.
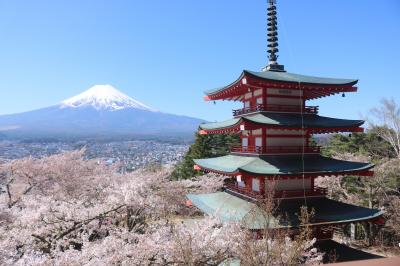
(210, 170)
(311, 130)
(248, 81)
(283, 166)
(244, 173)
(328, 212)
(312, 123)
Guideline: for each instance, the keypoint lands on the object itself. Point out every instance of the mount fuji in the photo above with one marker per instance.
(101, 111)
(104, 97)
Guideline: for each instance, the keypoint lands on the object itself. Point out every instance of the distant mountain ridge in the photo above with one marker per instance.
(101, 111)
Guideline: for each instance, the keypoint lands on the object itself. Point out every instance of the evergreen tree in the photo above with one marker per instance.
(386, 180)
(205, 146)
(369, 144)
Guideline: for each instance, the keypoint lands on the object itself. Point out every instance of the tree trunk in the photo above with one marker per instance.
(370, 197)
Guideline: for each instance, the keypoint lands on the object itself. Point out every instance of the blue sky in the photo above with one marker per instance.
(166, 53)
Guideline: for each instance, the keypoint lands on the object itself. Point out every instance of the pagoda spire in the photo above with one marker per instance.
(272, 39)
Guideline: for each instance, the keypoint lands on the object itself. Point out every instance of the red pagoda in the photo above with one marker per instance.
(275, 127)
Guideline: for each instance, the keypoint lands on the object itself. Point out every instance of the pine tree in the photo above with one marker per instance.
(369, 144)
(205, 146)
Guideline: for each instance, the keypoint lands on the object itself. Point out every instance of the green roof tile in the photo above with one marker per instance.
(285, 119)
(280, 164)
(223, 124)
(288, 77)
(230, 208)
(291, 77)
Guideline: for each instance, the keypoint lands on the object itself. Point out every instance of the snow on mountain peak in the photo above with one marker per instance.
(104, 97)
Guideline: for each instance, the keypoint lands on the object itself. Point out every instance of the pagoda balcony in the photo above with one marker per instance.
(242, 191)
(276, 108)
(276, 149)
(281, 194)
(316, 192)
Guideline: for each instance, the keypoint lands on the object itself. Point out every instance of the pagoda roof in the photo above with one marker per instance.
(290, 120)
(288, 77)
(315, 87)
(296, 78)
(230, 208)
(285, 165)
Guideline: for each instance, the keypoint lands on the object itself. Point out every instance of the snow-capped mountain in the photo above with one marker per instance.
(104, 97)
(101, 111)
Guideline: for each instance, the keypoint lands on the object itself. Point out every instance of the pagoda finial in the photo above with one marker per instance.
(272, 39)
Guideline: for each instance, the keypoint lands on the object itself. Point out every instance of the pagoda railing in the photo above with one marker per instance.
(280, 194)
(234, 187)
(316, 192)
(276, 108)
(276, 149)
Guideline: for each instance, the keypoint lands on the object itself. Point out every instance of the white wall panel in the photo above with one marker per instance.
(288, 184)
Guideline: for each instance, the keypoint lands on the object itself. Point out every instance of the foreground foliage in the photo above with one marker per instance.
(65, 210)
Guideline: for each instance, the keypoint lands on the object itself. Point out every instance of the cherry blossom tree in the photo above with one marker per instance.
(66, 210)
(385, 121)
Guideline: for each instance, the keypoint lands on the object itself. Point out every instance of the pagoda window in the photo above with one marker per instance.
(256, 132)
(257, 92)
(255, 184)
(259, 101)
(258, 142)
(240, 181)
(247, 104)
(241, 184)
(245, 142)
